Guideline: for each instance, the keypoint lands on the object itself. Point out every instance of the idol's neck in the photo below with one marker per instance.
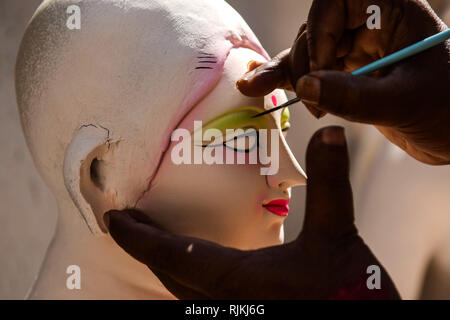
(106, 271)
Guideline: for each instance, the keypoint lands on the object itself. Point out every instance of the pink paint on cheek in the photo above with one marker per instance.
(274, 101)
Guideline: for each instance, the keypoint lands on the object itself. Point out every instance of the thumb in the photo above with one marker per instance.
(364, 99)
(267, 77)
(329, 202)
(281, 72)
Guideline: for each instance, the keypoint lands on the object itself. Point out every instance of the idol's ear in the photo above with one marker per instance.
(84, 175)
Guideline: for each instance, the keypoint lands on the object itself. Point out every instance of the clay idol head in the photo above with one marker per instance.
(99, 105)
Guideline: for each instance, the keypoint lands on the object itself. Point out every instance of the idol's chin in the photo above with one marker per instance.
(276, 237)
(281, 235)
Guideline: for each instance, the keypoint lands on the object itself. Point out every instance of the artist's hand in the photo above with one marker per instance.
(328, 260)
(409, 102)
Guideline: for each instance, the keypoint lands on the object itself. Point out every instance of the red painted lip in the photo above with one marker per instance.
(279, 207)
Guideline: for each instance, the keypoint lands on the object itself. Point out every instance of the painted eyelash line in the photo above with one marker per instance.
(235, 138)
(256, 145)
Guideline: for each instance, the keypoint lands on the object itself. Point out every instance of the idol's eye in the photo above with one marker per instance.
(239, 140)
(236, 129)
(243, 141)
(284, 120)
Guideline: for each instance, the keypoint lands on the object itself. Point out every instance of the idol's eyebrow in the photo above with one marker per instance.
(207, 58)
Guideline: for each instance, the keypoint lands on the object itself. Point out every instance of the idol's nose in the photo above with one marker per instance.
(290, 173)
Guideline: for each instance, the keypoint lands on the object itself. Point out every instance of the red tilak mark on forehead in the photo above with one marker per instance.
(274, 101)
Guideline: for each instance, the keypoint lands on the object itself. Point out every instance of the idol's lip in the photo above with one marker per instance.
(279, 207)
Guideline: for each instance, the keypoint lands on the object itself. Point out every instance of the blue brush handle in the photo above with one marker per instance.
(404, 53)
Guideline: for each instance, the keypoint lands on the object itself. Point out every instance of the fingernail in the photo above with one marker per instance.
(251, 65)
(106, 219)
(239, 83)
(242, 84)
(308, 88)
(245, 79)
(333, 136)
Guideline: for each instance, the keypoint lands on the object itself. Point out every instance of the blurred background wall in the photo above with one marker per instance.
(27, 208)
(402, 207)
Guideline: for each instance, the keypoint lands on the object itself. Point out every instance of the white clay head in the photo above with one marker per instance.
(98, 104)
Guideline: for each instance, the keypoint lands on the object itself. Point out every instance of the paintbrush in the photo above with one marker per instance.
(384, 62)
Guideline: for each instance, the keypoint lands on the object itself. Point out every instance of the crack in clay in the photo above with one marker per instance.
(98, 126)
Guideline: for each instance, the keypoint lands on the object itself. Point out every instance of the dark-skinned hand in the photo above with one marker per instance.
(328, 260)
(409, 102)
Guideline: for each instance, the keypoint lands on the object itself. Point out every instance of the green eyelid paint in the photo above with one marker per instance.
(238, 118)
(243, 118)
(285, 116)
